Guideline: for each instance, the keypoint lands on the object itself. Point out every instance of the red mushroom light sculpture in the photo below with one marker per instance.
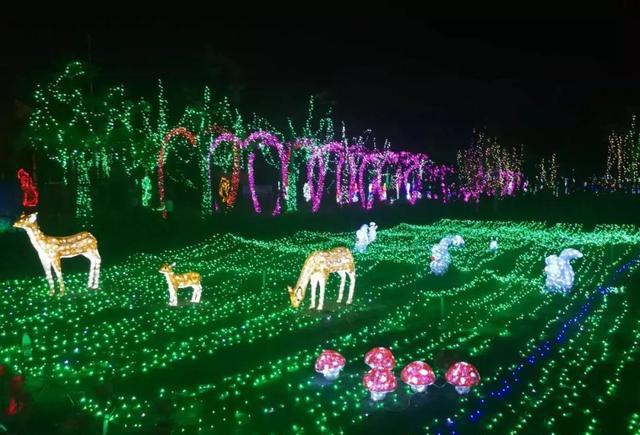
(379, 382)
(380, 358)
(329, 363)
(418, 375)
(463, 376)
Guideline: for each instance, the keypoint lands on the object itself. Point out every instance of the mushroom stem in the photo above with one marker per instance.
(418, 388)
(463, 390)
(376, 396)
(331, 374)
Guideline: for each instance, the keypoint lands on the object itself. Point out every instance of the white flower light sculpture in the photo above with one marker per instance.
(440, 257)
(559, 272)
(175, 282)
(362, 239)
(52, 249)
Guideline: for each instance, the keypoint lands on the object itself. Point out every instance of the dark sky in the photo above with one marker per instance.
(422, 80)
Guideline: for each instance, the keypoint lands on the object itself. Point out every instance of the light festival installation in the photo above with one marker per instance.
(379, 382)
(316, 270)
(177, 281)
(457, 241)
(462, 376)
(29, 190)
(162, 156)
(559, 272)
(362, 239)
(372, 232)
(497, 293)
(329, 363)
(52, 249)
(418, 375)
(380, 358)
(440, 257)
(493, 246)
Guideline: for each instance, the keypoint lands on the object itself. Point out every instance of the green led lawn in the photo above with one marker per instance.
(242, 360)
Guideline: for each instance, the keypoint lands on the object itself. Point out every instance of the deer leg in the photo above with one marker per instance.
(57, 268)
(314, 284)
(343, 278)
(352, 286)
(95, 266)
(323, 281)
(46, 265)
(195, 297)
(173, 297)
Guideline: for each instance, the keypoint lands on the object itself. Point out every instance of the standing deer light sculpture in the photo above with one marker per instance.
(178, 281)
(317, 268)
(52, 249)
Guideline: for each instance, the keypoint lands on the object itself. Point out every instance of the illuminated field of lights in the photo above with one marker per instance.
(242, 360)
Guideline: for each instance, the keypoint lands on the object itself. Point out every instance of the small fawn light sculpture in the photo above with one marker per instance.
(175, 282)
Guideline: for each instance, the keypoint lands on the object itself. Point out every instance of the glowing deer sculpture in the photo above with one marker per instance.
(175, 282)
(52, 249)
(317, 268)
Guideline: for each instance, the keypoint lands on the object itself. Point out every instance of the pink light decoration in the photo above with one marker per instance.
(418, 375)
(379, 382)
(268, 139)
(329, 363)
(263, 138)
(178, 131)
(30, 194)
(463, 376)
(380, 358)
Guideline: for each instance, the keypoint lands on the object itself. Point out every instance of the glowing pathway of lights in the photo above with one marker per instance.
(506, 385)
(250, 356)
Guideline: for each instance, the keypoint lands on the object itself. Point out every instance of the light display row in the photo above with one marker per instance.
(545, 358)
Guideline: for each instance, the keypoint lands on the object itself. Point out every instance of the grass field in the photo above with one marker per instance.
(242, 360)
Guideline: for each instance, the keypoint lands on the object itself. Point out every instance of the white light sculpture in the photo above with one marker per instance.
(372, 232)
(493, 245)
(457, 241)
(362, 239)
(52, 249)
(559, 272)
(440, 257)
(175, 282)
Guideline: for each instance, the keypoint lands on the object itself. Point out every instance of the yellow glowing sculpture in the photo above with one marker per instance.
(52, 249)
(317, 268)
(175, 282)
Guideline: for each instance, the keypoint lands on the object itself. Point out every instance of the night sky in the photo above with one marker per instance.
(422, 81)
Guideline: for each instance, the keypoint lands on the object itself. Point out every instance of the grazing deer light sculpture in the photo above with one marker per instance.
(52, 249)
(317, 268)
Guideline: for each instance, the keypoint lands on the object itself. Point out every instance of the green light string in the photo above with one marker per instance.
(128, 335)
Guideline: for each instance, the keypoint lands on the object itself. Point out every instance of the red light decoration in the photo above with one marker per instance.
(380, 358)
(418, 375)
(329, 363)
(30, 194)
(463, 376)
(379, 382)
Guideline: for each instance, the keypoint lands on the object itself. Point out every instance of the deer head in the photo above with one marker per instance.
(295, 296)
(167, 268)
(26, 221)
